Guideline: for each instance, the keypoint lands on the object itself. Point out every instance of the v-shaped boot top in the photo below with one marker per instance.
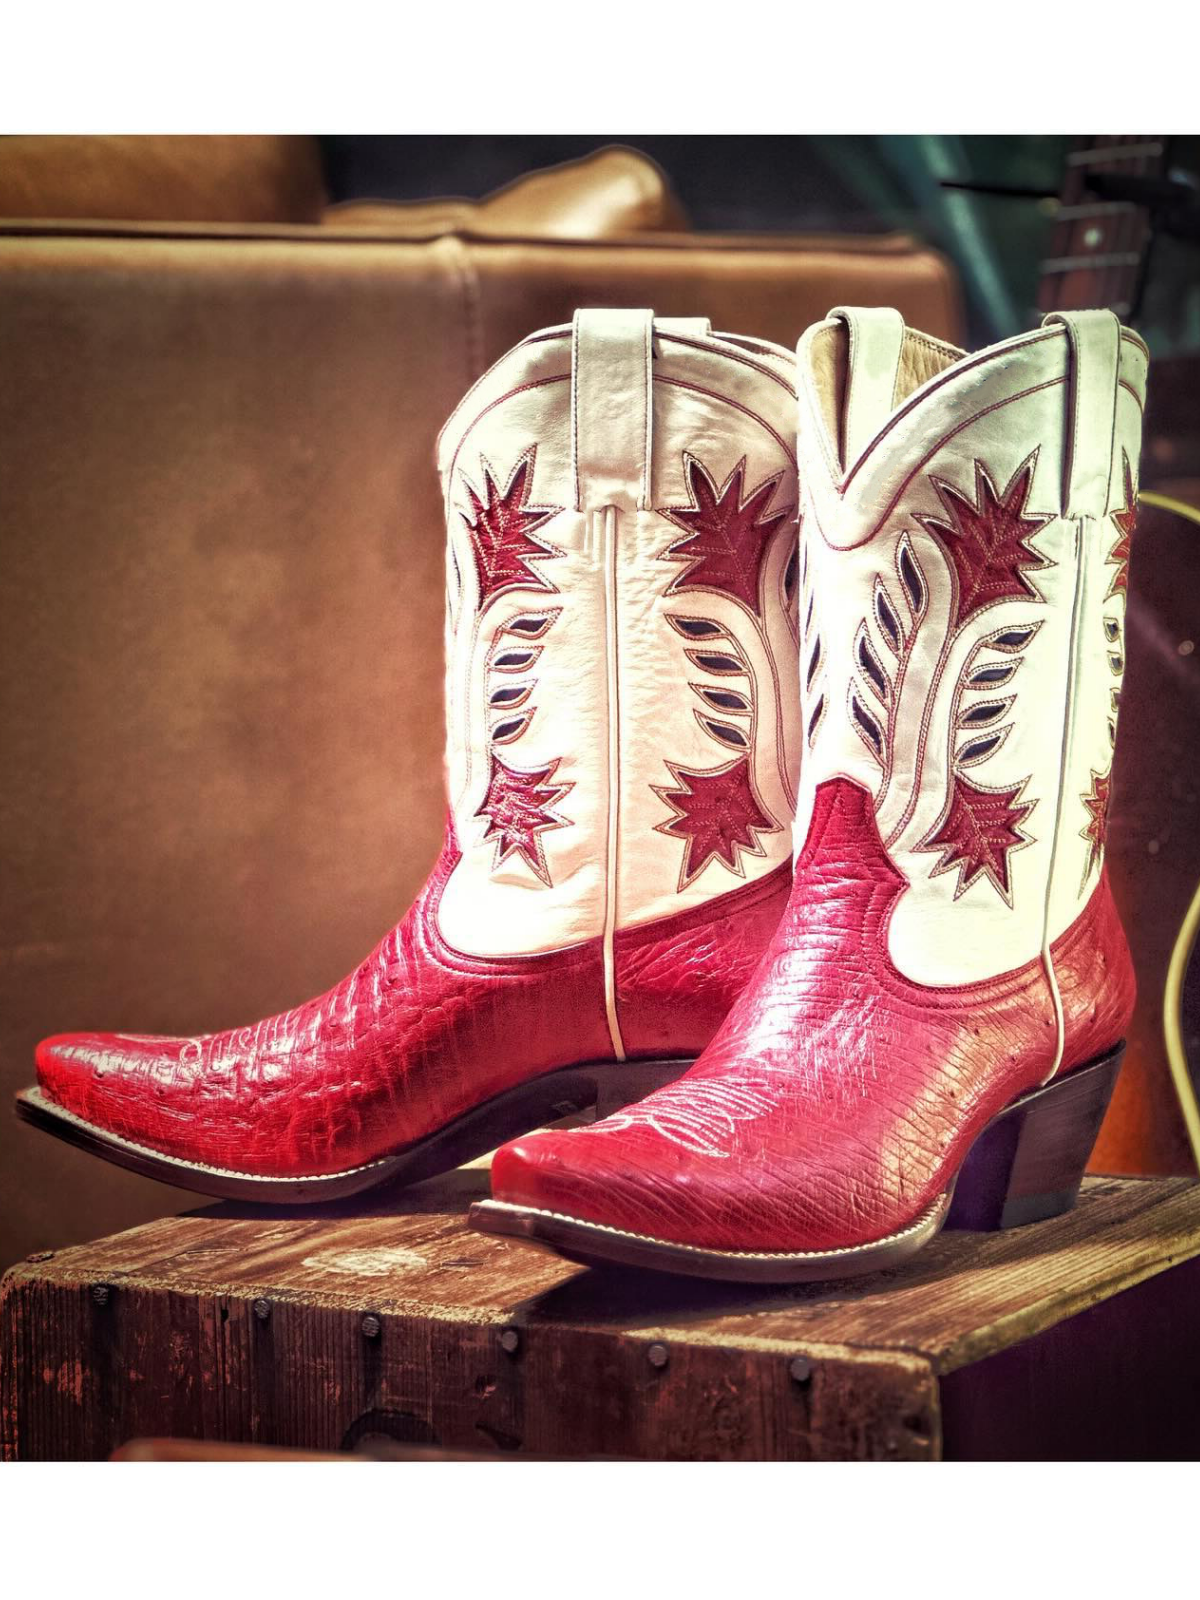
(879, 400)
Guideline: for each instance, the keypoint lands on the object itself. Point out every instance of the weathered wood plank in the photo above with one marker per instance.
(198, 1366)
(326, 1329)
(963, 1296)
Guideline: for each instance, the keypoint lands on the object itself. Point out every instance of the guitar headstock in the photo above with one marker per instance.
(1102, 234)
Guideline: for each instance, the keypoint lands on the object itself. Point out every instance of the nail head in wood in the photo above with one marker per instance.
(510, 1341)
(101, 1293)
(371, 1326)
(800, 1368)
(262, 1309)
(658, 1355)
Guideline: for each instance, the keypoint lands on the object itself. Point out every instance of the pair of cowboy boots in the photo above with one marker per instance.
(653, 688)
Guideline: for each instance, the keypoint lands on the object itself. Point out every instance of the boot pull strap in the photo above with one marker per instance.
(876, 339)
(611, 408)
(1095, 346)
(688, 327)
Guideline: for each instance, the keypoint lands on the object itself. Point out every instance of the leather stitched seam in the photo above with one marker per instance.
(1023, 342)
(729, 355)
(724, 399)
(733, 903)
(521, 388)
(959, 427)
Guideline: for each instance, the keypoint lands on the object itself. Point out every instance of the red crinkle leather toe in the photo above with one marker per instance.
(417, 1035)
(72, 1067)
(839, 1098)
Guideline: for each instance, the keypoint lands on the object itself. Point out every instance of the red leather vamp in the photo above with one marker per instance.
(414, 1037)
(837, 1100)
(678, 977)
(1095, 979)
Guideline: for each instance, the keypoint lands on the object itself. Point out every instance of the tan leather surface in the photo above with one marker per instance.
(768, 292)
(610, 192)
(220, 635)
(183, 177)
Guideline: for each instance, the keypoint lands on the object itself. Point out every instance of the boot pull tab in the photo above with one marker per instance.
(688, 327)
(876, 339)
(612, 411)
(1093, 370)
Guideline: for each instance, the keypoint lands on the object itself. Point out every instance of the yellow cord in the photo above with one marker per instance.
(1173, 1024)
(1181, 1077)
(1165, 503)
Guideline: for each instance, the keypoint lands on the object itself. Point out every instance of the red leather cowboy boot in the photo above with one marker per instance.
(937, 1025)
(622, 733)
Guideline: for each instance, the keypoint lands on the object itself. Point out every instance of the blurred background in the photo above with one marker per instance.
(990, 202)
(223, 365)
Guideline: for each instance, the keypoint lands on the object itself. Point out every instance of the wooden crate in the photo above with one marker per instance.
(340, 1329)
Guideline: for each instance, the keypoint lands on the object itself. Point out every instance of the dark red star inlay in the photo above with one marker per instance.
(717, 815)
(1126, 521)
(518, 808)
(978, 834)
(501, 523)
(1096, 830)
(986, 541)
(725, 534)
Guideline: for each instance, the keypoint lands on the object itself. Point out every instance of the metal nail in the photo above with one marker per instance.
(262, 1310)
(510, 1341)
(100, 1293)
(801, 1369)
(371, 1326)
(658, 1355)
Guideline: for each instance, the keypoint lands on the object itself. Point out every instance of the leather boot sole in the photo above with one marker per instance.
(607, 1085)
(593, 1244)
(1025, 1166)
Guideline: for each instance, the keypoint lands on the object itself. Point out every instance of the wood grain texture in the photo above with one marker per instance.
(333, 1329)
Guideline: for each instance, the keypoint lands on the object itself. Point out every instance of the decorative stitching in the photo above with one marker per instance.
(1126, 521)
(1095, 831)
(970, 522)
(979, 829)
(665, 337)
(500, 526)
(981, 746)
(986, 542)
(518, 806)
(724, 399)
(887, 510)
(726, 533)
(717, 813)
(521, 388)
(511, 728)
